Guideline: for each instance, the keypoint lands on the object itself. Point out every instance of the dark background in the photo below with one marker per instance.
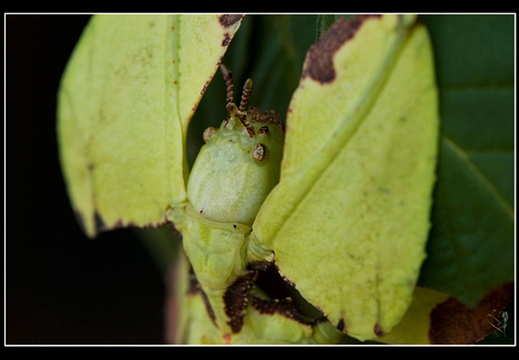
(61, 288)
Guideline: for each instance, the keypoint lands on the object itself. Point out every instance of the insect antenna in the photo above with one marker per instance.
(231, 107)
(229, 83)
(247, 89)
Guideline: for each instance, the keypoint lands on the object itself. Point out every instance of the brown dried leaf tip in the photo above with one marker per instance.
(319, 59)
(229, 20)
(453, 322)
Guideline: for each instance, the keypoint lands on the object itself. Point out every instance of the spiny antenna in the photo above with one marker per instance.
(231, 107)
(247, 89)
(229, 83)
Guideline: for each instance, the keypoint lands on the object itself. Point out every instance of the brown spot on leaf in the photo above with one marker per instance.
(377, 330)
(204, 88)
(229, 20)
(319, 59)
(226, 39)
(453, 322)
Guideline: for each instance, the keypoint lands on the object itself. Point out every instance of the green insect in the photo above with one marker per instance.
(336, 209)
(233, 174)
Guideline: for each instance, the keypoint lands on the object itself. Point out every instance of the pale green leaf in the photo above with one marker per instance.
(125, 102)
(349, 219)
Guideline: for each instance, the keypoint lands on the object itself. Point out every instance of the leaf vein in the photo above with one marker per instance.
(463, 155)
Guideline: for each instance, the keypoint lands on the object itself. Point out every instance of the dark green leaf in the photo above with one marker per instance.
(471, 247)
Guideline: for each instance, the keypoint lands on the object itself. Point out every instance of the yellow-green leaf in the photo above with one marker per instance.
(348, 221)
(125, 102)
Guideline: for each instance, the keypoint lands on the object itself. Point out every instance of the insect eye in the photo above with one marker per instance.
(209, 132)
(260, 152)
